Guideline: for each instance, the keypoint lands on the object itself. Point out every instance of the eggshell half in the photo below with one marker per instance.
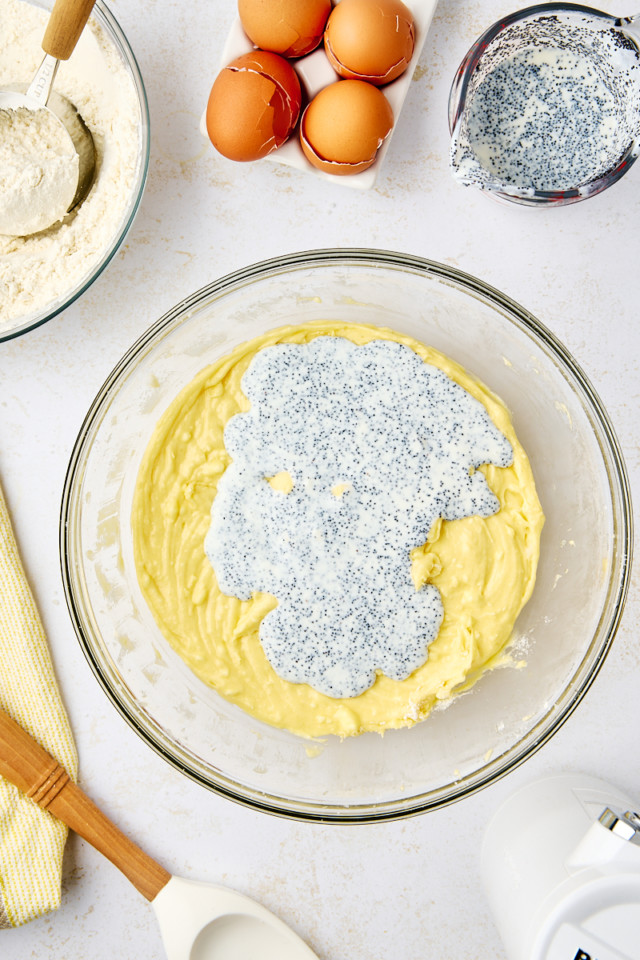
(291, 28)
(344, 126)
(253, 106)
(370, 40)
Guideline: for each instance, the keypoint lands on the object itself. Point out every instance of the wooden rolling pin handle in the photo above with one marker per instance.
(29, 767)
(66, 23)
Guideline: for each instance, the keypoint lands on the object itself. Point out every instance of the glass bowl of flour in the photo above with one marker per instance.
(561, 636)
(42, 274)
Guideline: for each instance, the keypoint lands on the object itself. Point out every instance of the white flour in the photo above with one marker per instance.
(38, 271)
(38, 171)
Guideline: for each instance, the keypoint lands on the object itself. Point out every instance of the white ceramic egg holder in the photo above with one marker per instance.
(315, 73)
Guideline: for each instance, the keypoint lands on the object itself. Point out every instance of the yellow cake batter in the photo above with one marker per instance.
(484, 568)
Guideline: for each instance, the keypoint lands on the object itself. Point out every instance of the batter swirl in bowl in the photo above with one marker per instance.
(479, 567)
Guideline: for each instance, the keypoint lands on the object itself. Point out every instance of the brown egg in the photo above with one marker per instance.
(344, 126)
(253, 106)
(370, 39)
(289, 27)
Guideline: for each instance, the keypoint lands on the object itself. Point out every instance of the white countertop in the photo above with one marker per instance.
(408, 890)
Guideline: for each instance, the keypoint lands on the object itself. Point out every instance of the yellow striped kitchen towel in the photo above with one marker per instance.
(31, 840)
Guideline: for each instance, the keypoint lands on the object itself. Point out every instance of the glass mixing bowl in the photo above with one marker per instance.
(120, 49)
(565, 629)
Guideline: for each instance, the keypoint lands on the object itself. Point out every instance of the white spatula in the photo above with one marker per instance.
(198, 921)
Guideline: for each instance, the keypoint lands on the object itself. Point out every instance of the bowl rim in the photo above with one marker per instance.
(583, 677)
(108, 21)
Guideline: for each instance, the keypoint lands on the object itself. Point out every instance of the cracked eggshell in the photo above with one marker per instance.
(253, 106)
(291, 28)
(344, 126)
(370, 40)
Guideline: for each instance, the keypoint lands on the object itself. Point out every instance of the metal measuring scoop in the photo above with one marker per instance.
(198, 921)
(610, 44)
(66, 23)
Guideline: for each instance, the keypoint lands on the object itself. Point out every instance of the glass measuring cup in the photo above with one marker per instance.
(608, 48)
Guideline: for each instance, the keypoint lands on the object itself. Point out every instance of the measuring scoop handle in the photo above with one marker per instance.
(32, 770)
(66, 23)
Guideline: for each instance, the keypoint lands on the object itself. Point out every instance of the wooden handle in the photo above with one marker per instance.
(26, 764)
(66, 23)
